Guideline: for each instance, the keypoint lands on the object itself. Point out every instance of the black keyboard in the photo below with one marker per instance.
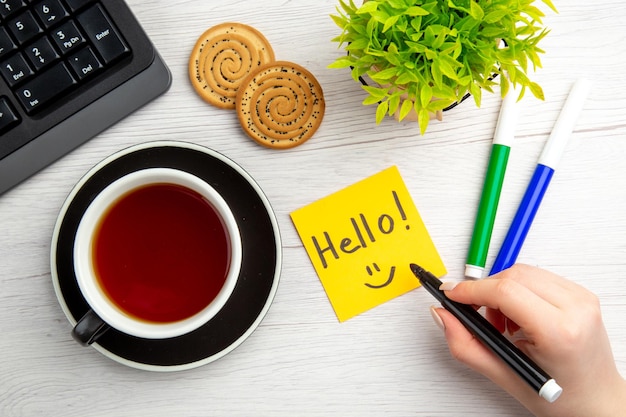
(68, 70)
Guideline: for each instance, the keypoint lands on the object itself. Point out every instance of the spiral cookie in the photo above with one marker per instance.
(223, 56)
(280, 105)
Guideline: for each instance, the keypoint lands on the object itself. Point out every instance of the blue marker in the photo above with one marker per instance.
(540, 180)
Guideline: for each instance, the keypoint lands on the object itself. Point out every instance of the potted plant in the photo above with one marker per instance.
(427, 55)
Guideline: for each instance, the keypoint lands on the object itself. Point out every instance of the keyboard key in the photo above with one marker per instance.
(8, 117)
(74, 5)
(44, 88)
(67, 37)
(41, 53)
(15, 70)
(24, 27)
(6, 43)
(50, 12)
(84, 63)
(102, 33)
(9, 7)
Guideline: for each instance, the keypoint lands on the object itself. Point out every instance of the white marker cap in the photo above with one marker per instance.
(550, 391)
(565, 123)
(473, 271)
(507, 119)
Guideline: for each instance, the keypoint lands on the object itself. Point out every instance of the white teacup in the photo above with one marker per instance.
(113, 254)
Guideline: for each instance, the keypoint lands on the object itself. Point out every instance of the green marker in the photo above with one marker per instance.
(502, 141)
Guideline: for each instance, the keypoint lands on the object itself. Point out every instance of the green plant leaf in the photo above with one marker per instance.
(381, 111)
(534, 13)
(348, 8)
(384, 75)
(550, 5)
(493, 31)
(466, 80)
(369, 100)
(343, 62)
(534, 58)
(367, 8)
(505, 86)
(405, 109)
(437, 75)
(536, 90)
(377, 93)
(394, 103)
(406, 77)
(415, 47)
(495, 16)
(389, 22)
(430, 54)
(467, 25)
(392, 48)
(452, 5)
(477, 93)
(393, 56)
(476, 11)
(380, 16)
(357, 45)
(423, 118)
(340, 21)
(416, 23)
(416, 11)
(395, 4)
(426, 95)
(437, 105)
(444, 92)
(445, 67)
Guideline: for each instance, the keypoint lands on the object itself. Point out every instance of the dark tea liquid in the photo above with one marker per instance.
(161, 253)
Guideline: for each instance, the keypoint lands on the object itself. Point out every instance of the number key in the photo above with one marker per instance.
(8, 7)
(44, 88)
(67, 37)
(15, 69)
(24, 27)
(41, 53)
(50, 12)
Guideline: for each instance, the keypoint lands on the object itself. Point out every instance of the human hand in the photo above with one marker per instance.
(560, 327)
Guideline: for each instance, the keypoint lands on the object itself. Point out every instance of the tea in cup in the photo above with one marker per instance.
(157, 254)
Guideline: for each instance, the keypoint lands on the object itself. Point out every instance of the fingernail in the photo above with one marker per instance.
(448, 286)
(436, 318)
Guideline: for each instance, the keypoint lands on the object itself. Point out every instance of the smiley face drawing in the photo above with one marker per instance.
(376, 269)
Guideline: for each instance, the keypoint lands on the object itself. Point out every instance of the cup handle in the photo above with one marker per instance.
(89, 328)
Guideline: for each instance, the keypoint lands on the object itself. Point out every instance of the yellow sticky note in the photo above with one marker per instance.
(361, 241)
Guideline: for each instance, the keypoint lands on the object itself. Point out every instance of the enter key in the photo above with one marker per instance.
(102, 34)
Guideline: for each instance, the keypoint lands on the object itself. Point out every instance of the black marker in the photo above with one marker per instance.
(484, 331)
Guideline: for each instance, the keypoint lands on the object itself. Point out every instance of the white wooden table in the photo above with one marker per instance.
(301, 361)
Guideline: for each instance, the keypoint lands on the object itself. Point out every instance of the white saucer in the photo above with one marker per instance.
(260, 270)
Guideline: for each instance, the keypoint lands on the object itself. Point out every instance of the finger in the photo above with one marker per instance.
(496, 318)
(551, 287)
(512, 327)
(464, 347)
(501, 322)
(516, 301)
